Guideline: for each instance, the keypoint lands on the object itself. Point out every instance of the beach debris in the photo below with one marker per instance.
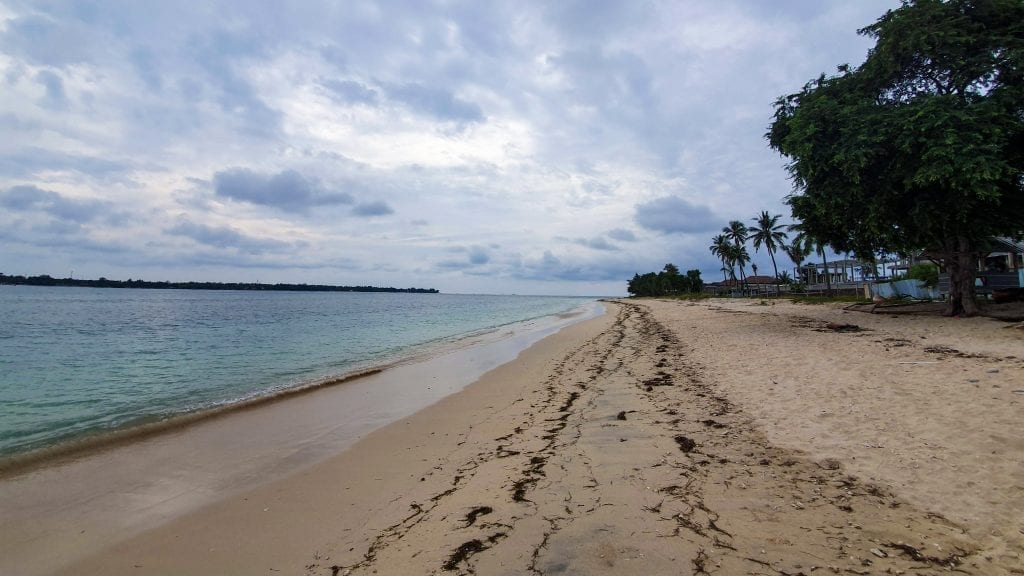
(838, 327)
(879, 553)
(476, 513)
(829, 464)
(621, 415)
(687, 445)
(660, 379)
(471, 548)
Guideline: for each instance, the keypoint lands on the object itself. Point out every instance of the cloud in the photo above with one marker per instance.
(30, 198)
(597, 243)
(226, 237)
(350, 91)
(437, 102)
(627, 132)
(55, 98)
(622, 235)
(477, 255)
(30, 161)
(375, 208)
(287, 190)
(45, 41)
(673, 215)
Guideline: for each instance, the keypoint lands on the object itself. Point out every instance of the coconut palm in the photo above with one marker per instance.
(738, 255)
(797, 252)
(720, 247)
(736, 232)
(809, 242)
(768, 231)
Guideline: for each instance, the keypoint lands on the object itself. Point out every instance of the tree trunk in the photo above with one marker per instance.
(962, 268)
(828, 279)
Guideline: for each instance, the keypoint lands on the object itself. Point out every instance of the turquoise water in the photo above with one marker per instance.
(81, 361)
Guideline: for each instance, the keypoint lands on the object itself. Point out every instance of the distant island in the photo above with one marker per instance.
(46, 280)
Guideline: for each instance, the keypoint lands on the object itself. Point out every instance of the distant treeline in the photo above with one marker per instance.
(665, 283)
(45, 280)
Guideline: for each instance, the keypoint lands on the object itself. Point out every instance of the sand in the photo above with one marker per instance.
(720, 437)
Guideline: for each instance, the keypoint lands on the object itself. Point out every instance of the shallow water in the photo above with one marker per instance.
(77, 362)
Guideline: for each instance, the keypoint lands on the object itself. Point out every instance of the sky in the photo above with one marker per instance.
(551, 147)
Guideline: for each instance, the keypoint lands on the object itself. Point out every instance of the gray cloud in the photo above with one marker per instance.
(511, 122)
(350, 91)
(32, 198)
(287, 190)
(46, 41)
(597, 243)
(55, 98)
(375, 208)
(437, 102)
(226, 237)
(28, 161)
(220, 55)
(672, 214)
(622, 235)
(475, 256)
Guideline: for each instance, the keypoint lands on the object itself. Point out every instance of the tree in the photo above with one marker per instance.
(736, 232)
(737, 254)
(797, 252)
(920, 147)
(720, 247)
(768, 231)
(696, 284)
(668, 281)
(805, 242)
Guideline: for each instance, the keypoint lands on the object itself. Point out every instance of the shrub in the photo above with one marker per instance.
(926, 272)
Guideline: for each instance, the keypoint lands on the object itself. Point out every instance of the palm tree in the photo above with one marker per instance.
(736, 231)
(720, 247)
(808, 242)
(738, 254)
(768, 231)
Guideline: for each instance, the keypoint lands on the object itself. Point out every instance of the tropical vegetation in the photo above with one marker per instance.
(668, 282)
(922, 146)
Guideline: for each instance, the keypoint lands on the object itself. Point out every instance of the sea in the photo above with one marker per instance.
(83, 362)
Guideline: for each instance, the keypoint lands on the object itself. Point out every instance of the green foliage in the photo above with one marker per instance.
(926, 272)
(768, 232)
(922, 146)
(666, 283)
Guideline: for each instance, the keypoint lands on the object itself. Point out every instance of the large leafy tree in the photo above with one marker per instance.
(768, 232)
(922, 146)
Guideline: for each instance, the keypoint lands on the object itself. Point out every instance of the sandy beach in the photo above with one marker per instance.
(665, 437)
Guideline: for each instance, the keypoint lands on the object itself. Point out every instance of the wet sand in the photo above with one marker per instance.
(665, 437)
(56, 508)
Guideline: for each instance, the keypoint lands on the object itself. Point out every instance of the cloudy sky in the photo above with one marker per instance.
(501, 147)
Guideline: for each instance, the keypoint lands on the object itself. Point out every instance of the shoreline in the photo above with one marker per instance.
(126, 484)
(79, 446)
(720, 437)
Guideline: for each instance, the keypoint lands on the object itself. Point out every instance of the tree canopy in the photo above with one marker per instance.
(920, 147)
(667, 282)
